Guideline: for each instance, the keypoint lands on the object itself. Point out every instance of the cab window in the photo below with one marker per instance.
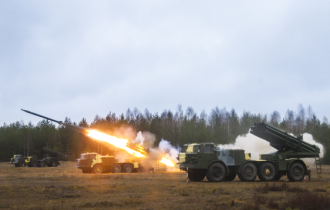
(208, 148)
(92, 156)
(190, 149)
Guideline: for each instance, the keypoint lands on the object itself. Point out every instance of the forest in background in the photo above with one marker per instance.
(219, 126)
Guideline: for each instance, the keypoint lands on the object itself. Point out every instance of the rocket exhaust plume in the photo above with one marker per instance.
(117, 142)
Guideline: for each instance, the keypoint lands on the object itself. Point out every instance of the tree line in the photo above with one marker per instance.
(220, 126)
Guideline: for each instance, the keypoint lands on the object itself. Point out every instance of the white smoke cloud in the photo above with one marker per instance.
(251, 144)
(255, 145)
(145, 139)
(170, 151)
(139, 138)
(164, 149)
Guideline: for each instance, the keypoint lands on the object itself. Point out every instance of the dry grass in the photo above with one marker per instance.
(263, 189)
(65, 188)
(309, 201)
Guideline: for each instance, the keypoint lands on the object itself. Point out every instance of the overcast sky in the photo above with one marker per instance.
(83, 58)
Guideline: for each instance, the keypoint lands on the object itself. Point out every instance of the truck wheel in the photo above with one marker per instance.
(116, 168)
(267, 172)
(54, 164)
(98, 169)
(17, 165)
(231, 175)
(216, 172)
(296, 172)
(196, 176)
(34, 164)
(248, 172)
(128, 168)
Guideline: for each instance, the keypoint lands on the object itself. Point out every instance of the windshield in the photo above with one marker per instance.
(190, 149)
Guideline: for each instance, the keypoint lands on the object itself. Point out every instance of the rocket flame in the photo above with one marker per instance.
(137, 150)
(167, 162)
(117, 142)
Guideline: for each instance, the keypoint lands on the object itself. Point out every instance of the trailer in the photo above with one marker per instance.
(205, 159)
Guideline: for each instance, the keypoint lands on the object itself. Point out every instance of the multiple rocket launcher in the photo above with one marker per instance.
(137, 148)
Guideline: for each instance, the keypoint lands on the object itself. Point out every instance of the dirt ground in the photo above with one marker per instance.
(65, 187)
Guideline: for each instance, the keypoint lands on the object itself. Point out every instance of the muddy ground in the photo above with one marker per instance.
(65, 187)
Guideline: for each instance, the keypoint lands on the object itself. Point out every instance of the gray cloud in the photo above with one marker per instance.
(83, 58)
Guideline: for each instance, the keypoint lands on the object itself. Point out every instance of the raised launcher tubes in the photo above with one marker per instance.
(287, 145)
(54, 153)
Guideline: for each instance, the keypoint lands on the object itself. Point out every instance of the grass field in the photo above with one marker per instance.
(66, 188)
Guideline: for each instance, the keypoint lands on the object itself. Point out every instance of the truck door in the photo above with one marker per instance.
(207, 154)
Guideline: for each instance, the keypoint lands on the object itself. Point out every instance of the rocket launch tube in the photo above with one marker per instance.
(76, 128)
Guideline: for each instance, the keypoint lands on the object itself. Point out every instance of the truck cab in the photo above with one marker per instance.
(205, 159)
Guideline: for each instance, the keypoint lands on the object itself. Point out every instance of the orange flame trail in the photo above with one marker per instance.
(167, 162)
(117, 142)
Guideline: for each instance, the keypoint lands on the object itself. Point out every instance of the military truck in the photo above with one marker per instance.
(53, 160)
(22, 161)
(205, 159)
(98, 164)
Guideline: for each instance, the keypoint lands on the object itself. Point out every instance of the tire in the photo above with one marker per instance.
(98, 169)
(296, 172)
(116, 168)
(54, 164)
(248, 172)
(216, 172)
(196, 175)
(128, 168)
(231, 175)
(34, 164)
(267, 172)
(86, 171)
(17, 165)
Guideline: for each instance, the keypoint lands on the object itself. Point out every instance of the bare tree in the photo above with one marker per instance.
(300, 119)
(310, 112)
(325, 120)
(290, 120)
(275, 118)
